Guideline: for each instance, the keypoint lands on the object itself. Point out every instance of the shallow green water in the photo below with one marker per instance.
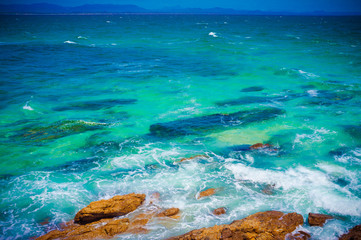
(94, 106)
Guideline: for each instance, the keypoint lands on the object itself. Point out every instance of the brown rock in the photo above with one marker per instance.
(300, 235)
(194, 157)
(169, 212)
(315, 219)
(138, 230)
(103, 229)
(116, 206)
(271, 225)
(260, 146)
(353, 234)
(45, 221)
(206, 193)
(269, 189)
(219, 211)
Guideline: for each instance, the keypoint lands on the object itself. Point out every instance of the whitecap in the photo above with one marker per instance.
(302, 185)
(312, 93)
(316, 136)
(307, 75)
(213, 34)
(27, 107)
(70, 42)
(81, 37)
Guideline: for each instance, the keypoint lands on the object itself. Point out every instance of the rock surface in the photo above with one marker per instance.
(300, 235)
(353, 234)
(116, 206)
(315, 219)
(260, 146)
(169, 212)
(270, 225)
(219, 211)
(206, 193)
(194, 157)
(103, 229)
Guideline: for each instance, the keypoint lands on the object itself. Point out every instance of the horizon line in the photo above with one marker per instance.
(170, 10)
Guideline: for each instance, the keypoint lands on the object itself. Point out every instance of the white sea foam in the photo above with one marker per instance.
(27, 106)
(307, 75)
(303, 184)
(70, 42)
(81, 37)
(312, 93)
(213, 34)
(316, 136)
(351, 157)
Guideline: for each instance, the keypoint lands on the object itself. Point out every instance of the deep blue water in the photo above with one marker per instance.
(95, 106)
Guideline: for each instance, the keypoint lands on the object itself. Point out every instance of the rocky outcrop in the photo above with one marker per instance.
(299, 235)
(194, 157)
(260, 146)
(114, 207)
(169, 212)
(103, 229)
(206, 193)
(315, 219)
(219, 211)
(353, 234)
(270, 225)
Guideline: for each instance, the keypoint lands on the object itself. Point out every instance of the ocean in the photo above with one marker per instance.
(97, 106)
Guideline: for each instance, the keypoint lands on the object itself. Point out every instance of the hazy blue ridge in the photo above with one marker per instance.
(46, 8)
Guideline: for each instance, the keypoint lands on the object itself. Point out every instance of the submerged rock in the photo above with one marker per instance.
(219, 211)
(203, 124)
(95, 105)
(250, 100)
(316, 219)
(116, 206)
(252, 89)
(60, 129)
(353, 234)
(206, 193)
(270, 225)
(102, 229)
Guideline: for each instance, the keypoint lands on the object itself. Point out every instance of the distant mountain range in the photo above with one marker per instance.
(46, 8)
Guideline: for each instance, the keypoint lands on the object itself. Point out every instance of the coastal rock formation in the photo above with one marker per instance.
(206, 193)
(353, 234)
(103, 229)
(300, 235)
(169, 212)
(194, 157)
(260, 146)
(219, 211)
(315, 219)
(270, 225)
(116, 206)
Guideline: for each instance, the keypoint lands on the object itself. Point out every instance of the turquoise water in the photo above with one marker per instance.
(94, 106)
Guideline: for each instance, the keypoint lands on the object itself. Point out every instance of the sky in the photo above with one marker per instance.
(263, 5)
